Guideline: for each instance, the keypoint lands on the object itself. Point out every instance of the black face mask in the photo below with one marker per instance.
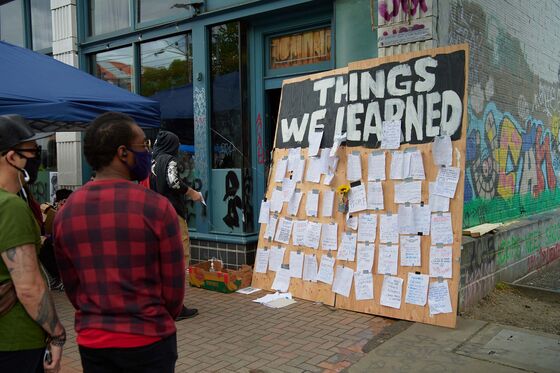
(31, 167)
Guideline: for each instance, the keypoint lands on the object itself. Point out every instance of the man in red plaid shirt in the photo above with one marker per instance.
(120, 255)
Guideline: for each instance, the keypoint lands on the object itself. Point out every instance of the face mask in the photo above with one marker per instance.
(142, 165)
(32, 169)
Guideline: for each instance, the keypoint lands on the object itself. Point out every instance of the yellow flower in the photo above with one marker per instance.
(343, 189)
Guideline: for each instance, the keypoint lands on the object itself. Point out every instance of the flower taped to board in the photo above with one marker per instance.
(385, 136)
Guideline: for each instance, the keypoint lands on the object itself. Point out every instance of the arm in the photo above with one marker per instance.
(175, 182)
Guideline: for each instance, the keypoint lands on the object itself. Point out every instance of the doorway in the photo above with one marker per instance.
(272, 106)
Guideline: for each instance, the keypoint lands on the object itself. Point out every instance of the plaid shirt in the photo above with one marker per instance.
(120, 255)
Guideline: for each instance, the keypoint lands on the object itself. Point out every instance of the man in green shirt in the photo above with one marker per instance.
(24, 328)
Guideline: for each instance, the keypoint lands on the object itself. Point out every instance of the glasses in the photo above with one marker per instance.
(37, 150)
(147, 144)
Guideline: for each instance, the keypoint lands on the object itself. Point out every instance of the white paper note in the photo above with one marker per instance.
(295, 202)
(391, 134)
(354, 166)
(284, 231)
(326, 269)
(271, 227)
(328, 203)
(376, 166)
(348, 247)
(299, 169)
(367, 227)
(276, 258)
(282, 280)
(416, 168)
(446, 182)
(375, 200)
(336, 143)
(407, 224)
(441, 263)
(387, 261)
(312, 234)
(365, 255)
(417, 289)
(343, 281)
(333, 164)
(264, 212)
(422, 217)
(281, 166)
(352, 221)
(324, 160)
(397, 165)
(391, 292)
(261, 260)
(389, 228)
(329, 236)
(312, 203)
(408, 192)
(294, 155)
(296, 263)
(357, 200)
(442, 151)
(314, 143)
(310, 268)
(441, 229)
(363, 285)
(298, 236)
(277, 200)
(313, 174)
(437, 203)
(438, 298)
(410, 251)
(288, 188)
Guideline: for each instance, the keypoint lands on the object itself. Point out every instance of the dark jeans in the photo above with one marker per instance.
(24, 361)
(159, 357)
(47, 258)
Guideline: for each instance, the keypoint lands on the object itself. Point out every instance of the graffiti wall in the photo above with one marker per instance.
(513, 148)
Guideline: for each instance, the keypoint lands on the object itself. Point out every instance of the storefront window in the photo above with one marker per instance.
(41, 24)
(302, 48)
(108, 15)
(11, 23)
(114, 66)
(154, 9)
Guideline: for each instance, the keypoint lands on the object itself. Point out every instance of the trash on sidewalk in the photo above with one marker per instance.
(248, 290)
(276, 300)
(211, 275)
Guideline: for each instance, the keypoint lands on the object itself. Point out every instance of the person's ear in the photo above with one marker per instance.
(122, 153)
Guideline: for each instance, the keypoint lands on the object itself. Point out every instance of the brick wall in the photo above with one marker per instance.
(231, 254)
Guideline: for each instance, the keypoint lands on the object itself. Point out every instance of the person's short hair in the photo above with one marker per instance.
(62, 194)
(103, 137)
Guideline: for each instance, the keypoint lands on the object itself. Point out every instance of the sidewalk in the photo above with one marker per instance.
(233, 334)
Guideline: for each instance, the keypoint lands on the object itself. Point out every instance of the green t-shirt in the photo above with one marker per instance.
(18, 331)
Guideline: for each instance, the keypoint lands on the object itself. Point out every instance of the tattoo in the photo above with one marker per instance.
(46, 316)
(11, 253)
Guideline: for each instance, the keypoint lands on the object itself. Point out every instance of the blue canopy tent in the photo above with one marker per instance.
(40, 88)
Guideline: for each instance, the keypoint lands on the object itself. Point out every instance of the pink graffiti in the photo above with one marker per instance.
(398, 4)
(543, 257)
(260, 147)
(542, 155)
(405, 29)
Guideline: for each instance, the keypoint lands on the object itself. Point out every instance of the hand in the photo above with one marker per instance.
(54, 366)
(194, 195)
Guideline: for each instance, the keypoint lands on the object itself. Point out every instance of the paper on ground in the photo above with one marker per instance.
(248, 290)
(279, 303)
(270, 297)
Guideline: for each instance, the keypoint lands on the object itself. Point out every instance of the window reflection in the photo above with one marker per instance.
(115, 67)
(108, 15)
(41, 24)
(153, 9)
(11, 23)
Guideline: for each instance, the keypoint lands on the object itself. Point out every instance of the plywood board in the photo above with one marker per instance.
(364, 93)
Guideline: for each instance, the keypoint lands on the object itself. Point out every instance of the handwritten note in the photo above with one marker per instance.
(343, 281)
(441, 261)
(312, 203)
(281, 166)
(348, 247)
(354, 166)
(264, 212)
(367, 227)
(442, 151)
(389, 228)
(351, 221)
(363, 285)
(438, 298)
(416, 168)
(282, 280)
(299, 169)
(296, 263)
(357, 198)
(365, 255)
(324, 160)
(298, 236)
(410, 251)
(288, 189)
(417, 289)
(391, 292)
(408, 192)
(387, 262)
(276, 258)
(333, 164)
(437, 203)
(294, 155)
(329, 236)
(397, 165)
(277, 200)
(391, 134)
(375, 200)
(407, 225)
(328, 203)
(312, 235)
(295, 202)
(261, 260)
(442, 230)
(284, 230)
(446, 182)
(313, 174)
(422, 217)
(314, 139)
(326, 269)
(376, 166)
(310, 268)
(271, 227)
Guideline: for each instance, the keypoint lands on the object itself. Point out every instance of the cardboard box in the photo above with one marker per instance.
(221, 279)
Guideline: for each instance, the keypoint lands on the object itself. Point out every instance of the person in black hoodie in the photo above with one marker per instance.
(165, 180)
